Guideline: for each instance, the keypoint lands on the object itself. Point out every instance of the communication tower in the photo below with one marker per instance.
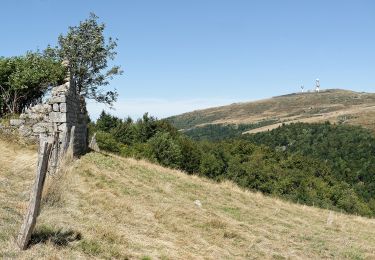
(317, 85)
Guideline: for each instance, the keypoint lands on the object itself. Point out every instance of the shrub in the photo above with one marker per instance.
(211, 166)
(190, 155)
(107, 142)
(165, 150)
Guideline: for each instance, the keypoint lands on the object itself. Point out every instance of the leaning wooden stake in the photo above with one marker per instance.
(34, 205)
(70, 150)
(54, 156)
(93, 144)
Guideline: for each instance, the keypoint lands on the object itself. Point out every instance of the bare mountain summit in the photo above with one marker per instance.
(334, 105)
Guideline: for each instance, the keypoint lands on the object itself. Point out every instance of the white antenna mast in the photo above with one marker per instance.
(317, 85)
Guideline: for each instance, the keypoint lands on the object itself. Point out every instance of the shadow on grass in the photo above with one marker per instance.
(56, 237)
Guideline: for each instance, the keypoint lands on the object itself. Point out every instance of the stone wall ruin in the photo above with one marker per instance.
(55, 118)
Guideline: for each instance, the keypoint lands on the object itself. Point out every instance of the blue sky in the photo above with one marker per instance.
(182, 55)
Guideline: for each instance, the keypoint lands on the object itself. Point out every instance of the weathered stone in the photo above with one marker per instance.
(59, 99)
(36, 116)
(63, 107)
(16, 122)
(56, 107)
(57, 117)
(48, 108)
(63, 110)
(42, 127)
(62, 127)
(25, 131)
(30, 121)
(62, 89)
(37, 109)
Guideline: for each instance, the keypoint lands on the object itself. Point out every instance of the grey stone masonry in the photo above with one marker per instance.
(59, 114)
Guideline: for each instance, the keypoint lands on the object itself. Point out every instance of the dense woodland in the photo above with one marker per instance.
(347, 150)
(315, 164)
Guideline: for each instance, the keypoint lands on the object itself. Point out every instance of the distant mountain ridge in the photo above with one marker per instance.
(333, 105)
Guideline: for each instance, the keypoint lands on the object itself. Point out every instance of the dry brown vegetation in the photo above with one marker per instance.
(336, 106)
(106, 207)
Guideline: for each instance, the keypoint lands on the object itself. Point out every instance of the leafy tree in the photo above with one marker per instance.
(88, 52)
(25, 79)
(351, 203)
(125, 132)
(106, 122)
(146, 127)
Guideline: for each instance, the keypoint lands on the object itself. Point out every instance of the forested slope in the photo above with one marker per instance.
(330, 166)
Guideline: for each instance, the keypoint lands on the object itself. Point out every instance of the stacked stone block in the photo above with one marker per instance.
(59, 114)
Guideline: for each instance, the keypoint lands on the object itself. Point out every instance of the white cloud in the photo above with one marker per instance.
(160, 108)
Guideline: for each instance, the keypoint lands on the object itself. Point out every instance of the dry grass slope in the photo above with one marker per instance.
(107, 207)
(331, 105)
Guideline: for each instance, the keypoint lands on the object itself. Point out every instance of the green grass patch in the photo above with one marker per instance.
(90, 247)
(233, 212)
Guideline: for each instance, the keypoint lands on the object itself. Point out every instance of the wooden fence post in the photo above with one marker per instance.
(70, 151)
(34, 204)
(93, 144)
(54, 155)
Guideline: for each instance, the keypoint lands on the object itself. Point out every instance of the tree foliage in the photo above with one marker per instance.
(88, 52)
(347, 150)
(25, 79)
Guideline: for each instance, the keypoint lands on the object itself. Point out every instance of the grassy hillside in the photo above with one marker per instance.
(104, 206)
(330, 105)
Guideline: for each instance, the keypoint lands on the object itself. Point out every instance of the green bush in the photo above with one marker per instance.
(191, 155)
(107, 142)
(211, 166)
(165, 150)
